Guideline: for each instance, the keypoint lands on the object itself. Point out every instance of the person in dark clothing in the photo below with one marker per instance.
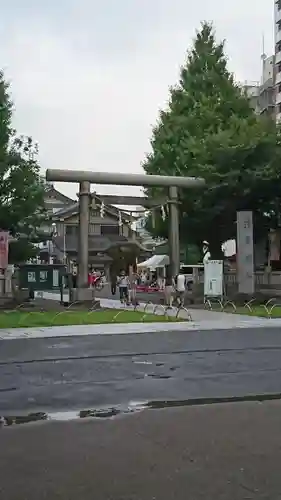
(169, 289)
(113, 283)
(74, 276)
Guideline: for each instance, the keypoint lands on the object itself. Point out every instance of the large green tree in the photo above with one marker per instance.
(209, 130)
(21, 187)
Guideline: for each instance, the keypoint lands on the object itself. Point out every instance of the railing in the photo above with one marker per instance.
(262, 278)
(230, 306)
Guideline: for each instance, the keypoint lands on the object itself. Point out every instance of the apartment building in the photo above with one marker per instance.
(277, 66)
(262, 94)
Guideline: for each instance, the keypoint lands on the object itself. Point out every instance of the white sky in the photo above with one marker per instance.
(88, 77)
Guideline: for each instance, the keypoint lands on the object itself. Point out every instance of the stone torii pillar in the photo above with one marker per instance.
(174, 238)
(83, 238)
(85, 178)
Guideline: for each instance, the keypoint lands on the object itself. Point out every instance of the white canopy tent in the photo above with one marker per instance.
(155, 262)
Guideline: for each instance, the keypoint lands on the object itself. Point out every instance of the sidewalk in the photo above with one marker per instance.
(201, 320)
(201, 316)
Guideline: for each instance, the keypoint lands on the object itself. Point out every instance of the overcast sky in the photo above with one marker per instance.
(88, 76)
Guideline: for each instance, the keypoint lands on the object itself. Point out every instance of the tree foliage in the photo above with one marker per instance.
(21, 187)
(22, 250)
(209, 130)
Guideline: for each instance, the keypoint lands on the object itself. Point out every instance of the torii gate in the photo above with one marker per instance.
(86, 178)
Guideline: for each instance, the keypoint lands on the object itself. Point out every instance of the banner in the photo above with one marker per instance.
(213, 278)
(4, 249)
(245, 253)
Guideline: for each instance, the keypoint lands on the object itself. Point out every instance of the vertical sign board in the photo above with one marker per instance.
(245, 253)
(213, 278)
(4, 249)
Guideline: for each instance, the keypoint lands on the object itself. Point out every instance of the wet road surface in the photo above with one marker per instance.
(216, 452)
(80, 373)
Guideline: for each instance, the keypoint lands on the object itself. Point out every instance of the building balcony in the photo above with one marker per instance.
(278, 98)
(277, 15)
(278, 57)
(278, 78)
(277, 34)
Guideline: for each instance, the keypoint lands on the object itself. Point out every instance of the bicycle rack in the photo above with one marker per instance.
(268, 306)
(23, 318)
(164, 309)
(249, 304)
(211, 302)
(189, 317)
(149, 303)
(207, 304)
(61, 313)
(73, 304)
(116, 316)
(231, 303)
(272, 309)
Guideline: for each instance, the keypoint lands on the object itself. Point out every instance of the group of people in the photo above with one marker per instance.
(96, 278)
(127, 285)
(174, 287)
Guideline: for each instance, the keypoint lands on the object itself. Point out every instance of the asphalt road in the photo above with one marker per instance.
(81, 373)
(216, 452)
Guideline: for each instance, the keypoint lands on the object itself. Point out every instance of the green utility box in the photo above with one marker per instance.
(41, 277)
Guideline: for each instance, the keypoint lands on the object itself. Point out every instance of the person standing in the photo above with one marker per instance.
(123, 284)
(180, 288)
(168, 288)
(74, 275)
(133, 276)
(206, 252)
(113, 283)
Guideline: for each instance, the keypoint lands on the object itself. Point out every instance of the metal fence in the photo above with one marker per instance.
(249, 306)
(171, 314)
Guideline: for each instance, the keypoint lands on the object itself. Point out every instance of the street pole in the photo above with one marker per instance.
(174, 241)
(83, 235)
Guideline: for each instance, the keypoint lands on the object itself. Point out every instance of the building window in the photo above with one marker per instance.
(278, 47)
(279, 25)
(71, 230)
(107, 230)
(279, 87)
(278, 4)
(279, 67)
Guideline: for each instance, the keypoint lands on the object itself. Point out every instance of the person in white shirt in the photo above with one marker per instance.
(180, 287)
(123, 283)
(206, 252)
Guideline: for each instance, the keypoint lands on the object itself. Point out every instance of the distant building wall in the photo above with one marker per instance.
(277, 58)
(262, 95)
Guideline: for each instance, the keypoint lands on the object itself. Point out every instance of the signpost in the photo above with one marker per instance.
(245, 253)
(213, 279)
